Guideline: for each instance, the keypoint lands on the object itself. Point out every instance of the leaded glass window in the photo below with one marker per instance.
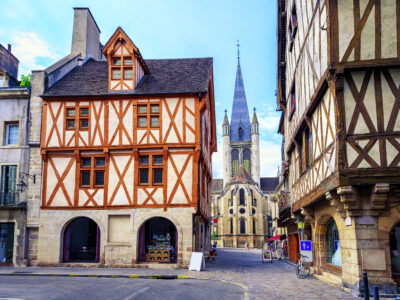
(235, 161)
(241, 197)
(247, 160)
(242, 226)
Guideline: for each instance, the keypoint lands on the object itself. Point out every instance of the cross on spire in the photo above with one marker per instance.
(238, 51)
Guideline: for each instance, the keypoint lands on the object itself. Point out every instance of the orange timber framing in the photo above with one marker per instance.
(105, 147)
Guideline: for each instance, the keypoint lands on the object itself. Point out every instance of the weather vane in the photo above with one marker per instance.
(238, 45)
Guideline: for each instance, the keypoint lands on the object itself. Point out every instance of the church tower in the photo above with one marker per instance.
(240, 138)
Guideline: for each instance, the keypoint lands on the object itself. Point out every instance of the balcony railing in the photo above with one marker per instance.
(9, 198)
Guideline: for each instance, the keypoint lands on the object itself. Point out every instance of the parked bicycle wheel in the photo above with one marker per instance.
(302, 270)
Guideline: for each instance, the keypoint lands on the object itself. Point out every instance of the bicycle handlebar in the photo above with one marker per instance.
(301, 255)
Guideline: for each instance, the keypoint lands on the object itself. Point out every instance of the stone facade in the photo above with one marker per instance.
(14, 159)
(122, 251)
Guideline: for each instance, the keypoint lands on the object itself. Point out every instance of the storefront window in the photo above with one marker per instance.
(395, 248)
(332, 245)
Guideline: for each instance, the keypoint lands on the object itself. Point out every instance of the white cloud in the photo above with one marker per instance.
(268, 119)
(28, 47)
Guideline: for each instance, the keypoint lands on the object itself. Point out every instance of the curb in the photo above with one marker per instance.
(156, 276)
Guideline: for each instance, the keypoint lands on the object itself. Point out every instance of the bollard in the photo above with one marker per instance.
(375, 289)
(366, 289)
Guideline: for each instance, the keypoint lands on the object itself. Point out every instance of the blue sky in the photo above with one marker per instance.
(40, 33)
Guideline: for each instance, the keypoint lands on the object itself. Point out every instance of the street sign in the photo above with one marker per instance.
(306, 249)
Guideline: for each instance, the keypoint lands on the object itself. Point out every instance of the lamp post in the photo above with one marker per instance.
(21, 185)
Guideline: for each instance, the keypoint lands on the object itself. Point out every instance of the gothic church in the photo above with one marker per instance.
(239, 206)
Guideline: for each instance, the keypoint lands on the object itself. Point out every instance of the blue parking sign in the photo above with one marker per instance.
(305, 246)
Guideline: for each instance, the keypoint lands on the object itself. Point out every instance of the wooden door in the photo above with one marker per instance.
(293, 248)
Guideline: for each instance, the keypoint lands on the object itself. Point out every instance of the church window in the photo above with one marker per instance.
(235, 161)
(240, 134)
(231, 226)
(241, 197)
(231, 200)
(242, 210)
(254, 226)
(242, 226)
(247, 160)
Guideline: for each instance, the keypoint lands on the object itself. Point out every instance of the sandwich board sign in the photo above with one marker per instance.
(306, 249)
(266, 256)
(197, 262)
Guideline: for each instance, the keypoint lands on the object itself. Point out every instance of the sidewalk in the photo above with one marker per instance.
(94, 272)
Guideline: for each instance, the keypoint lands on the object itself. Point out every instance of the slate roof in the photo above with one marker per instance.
(242, 175)
(240, 113)
(269, 184)
(217, 185)
(167, 76)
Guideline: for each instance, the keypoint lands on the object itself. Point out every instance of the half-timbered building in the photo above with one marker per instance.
(126, 144)
(338, 90)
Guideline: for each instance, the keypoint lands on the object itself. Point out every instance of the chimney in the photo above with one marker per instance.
(85, 35)
(9, 47)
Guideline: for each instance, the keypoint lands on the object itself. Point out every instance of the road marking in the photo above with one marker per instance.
(139, 291)
(134, 276)
(182, 277)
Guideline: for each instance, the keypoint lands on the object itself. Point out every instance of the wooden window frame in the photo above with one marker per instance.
(83, 118)
(70, 118)
(148, 114)
(151, 166)
(92, 169)
(77, 118)
(292, 27)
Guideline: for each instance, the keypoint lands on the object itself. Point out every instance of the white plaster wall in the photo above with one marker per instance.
(121, 197)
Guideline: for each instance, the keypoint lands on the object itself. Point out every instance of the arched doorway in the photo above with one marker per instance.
(332, 245)
(81, 241)
(158, 241)
(395, 252)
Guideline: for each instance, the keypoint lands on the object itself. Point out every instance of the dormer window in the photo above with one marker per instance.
(126, 66)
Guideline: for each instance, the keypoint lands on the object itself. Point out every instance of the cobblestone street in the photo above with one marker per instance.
(275, 280)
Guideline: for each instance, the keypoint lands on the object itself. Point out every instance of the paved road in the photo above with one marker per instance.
(275, 280)
(18, 287)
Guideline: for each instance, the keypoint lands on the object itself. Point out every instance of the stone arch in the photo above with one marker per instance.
(385, 226)
(319, 238)
(141, 220)
(65, 237)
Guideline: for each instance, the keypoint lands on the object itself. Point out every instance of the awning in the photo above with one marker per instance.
(275, 238)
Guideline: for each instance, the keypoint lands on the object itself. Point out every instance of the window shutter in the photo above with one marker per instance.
(3, 184)
(12, 178)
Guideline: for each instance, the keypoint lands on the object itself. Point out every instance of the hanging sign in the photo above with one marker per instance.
(306, 249)
(197, 262)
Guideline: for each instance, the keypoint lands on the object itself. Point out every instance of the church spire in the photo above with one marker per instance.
(240, 119)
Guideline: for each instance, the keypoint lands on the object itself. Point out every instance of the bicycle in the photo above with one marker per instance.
(302, 268)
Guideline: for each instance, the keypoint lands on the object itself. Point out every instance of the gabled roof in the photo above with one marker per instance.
(240, 112)
(242, 175)
(167, 76)
(118, 35)
(269, 184)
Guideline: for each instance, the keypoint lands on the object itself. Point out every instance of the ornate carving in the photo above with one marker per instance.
(349, 200)
(335, 200)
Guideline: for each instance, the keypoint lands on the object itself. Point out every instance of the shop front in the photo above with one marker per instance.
(6, 242)
(81, 241)
(158, 241)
